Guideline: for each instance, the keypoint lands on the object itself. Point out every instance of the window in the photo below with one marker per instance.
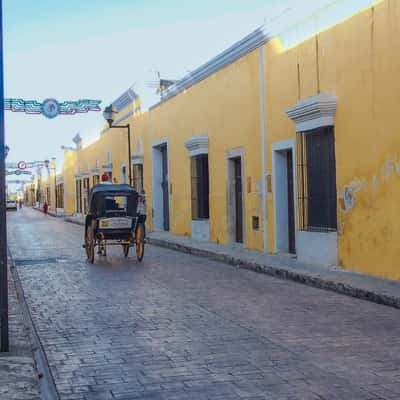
(96, 179)
(60, 195)
(316, 180)
(138, 177)
(78, 196)
(200, 187)
(48, 196)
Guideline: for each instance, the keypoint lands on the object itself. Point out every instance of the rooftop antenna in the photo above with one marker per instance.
(159, 84)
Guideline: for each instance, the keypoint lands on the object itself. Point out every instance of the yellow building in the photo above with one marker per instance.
(283, 150)
(84, 165)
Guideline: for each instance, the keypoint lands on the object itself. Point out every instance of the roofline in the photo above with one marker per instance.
(126, 98)
(244, 46)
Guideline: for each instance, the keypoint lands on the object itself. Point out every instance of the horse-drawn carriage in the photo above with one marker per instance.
(116, 218)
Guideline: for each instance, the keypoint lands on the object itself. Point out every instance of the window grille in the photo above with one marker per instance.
(200, 187)
(138, 177)
(316, 180)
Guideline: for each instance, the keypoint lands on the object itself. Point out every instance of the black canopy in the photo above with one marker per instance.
(99, 192)
(114, 189)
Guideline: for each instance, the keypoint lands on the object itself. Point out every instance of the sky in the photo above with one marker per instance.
(96, 49)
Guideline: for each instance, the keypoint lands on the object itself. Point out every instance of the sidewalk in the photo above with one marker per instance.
(378, 290)
(18, 375)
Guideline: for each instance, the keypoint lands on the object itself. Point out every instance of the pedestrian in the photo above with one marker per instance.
(45, 208)
(105, 178)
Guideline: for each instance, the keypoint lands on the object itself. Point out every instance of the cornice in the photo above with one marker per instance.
(313, 112)
(197, 144)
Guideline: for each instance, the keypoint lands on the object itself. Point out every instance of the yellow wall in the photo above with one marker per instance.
(226, 107)
(69, 171)
(359, 61)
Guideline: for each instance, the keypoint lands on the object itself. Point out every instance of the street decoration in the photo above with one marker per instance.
(51, 108)
(17, 181)
(28, 165)
(18, 172)
(21, 165)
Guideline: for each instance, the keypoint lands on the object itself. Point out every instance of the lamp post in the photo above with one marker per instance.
(108, 116)
(4, 347)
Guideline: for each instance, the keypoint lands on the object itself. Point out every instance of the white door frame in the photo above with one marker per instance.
(277, 147)
(158, 223)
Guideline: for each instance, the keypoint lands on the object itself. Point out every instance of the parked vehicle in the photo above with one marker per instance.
(11, 205)
(115, 218)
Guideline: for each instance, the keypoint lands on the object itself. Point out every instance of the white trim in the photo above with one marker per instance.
(234, 153)
(313, 112)
(159, 142)
(123, 165)
(137, 158)
(319, 248)
(197, 144)
(96, 171)
(107, 167)
(263, 161)
(154, 146)
(201, 230)
(282, 145)
(126, 98)
(239, 49)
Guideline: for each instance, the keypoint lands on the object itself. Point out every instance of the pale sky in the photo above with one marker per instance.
(96, 49)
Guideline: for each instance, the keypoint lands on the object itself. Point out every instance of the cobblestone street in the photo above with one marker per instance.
(182, 327)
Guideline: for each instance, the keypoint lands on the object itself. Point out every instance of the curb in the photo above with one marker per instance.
(47, 385)
(73, 221)
(283, 273)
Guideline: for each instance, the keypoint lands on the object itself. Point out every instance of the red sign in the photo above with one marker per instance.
(21, 165)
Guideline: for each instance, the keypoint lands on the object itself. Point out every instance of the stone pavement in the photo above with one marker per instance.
(378, 290)
(18, 375)
(179, 326)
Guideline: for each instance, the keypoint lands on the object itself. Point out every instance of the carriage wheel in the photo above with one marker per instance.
(126, 250)
(139, 238)
(90, 246)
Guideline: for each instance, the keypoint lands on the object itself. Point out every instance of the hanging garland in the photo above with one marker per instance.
(51, 108)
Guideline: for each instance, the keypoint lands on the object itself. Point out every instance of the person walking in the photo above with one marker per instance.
(45, 208)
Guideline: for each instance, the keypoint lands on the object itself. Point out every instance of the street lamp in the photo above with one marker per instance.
(108, 116)
(4, 346)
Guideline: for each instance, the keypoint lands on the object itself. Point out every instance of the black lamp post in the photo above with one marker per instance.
(3, 228)
(108, 116)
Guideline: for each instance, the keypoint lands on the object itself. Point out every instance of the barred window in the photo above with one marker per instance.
(316, 180)
(60, 195)
(96, 179)
(200, 187)
(138, 177)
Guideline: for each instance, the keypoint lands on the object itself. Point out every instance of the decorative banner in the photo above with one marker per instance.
(51, 108)
(19, 172)
(31, 164)
(21, 165)
(17, 181)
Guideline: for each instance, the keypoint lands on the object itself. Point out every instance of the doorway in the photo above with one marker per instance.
(235, 197)
(161, 187)
(284, 200)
